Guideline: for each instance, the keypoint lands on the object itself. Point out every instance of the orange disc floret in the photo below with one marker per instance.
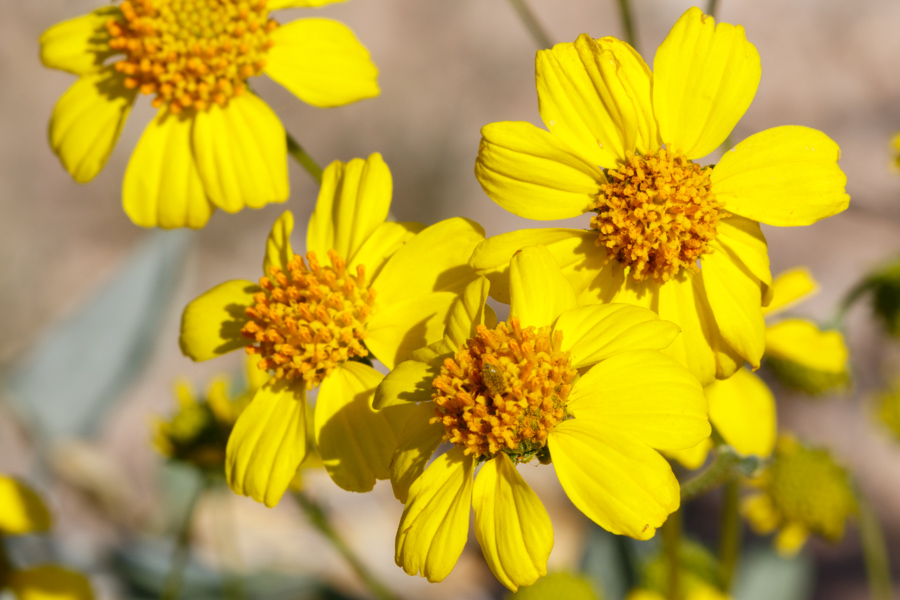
(191, 53)
(504, 390)
(657, 214)
(307, 320)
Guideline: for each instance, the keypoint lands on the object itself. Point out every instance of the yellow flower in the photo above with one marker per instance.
(584, 387)
(23, 512)
(666, 233)
(698, 591)
(803, 491)
(889, 408)
(367, 287)
(213, 143)
(895, 152)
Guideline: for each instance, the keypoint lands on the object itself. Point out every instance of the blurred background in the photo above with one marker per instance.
(90, 304)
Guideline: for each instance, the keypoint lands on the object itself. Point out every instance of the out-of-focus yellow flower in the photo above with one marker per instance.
(803, 491)
(889, 408)
(895, 152)
(213, 143)
(556, 586)
(367, 288)
(801, 354)
(666, 233)
(697, 590)
(584, 387)
(22, 511)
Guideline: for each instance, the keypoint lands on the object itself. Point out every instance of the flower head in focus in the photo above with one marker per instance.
(585, 388)
(366, 288)
(803, 491)
(666, 233)
(23, 512)
(213, 143)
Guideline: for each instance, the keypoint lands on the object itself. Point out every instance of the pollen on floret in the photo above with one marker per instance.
(504, 391)
(309, 318)
(190, 54)
(657, 214)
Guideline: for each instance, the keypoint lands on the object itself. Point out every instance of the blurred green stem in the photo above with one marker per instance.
(874, 551)
(226, 539)
(671, 533)
(319, 520)
(855, 293)
(627, 22)
(730, 540)
(306, 161)
(181, 555)
(532, 24)
(720, 471)
(711, 8)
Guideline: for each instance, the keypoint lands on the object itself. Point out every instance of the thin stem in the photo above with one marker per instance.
(711, 8)
(182, 553)
(306, 161)
(730, 540)
(671, 532)
(855, 293)
(874, 551)
(531, 23)
(721, 470)
(627, 22)
(320, 521)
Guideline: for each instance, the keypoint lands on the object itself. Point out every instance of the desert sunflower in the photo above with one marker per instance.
(366, 287)
(583, 387)
(666, 233)
(213, 143)
(23, 512)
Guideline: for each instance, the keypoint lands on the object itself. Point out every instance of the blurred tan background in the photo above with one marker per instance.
(447, 68)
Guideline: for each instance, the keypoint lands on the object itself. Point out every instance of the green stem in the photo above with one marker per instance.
(730, 540)
(874, 551)
(306, 161)
(711, 8)
(720, 471)
(671, 532)
(627, 23)
(531, 23)
(182, 553)
(319, 520)
(855, 293)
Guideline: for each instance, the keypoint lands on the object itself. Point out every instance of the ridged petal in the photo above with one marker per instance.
(418, 441)
(211, 324)
(539, 293)
(743, 410)
(79, 45)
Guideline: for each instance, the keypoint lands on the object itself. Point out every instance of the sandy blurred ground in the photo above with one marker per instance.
(447, 68)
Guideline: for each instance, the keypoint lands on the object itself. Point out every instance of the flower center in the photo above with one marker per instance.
(307, 320)
(190, 53)
(505, 390)
(657, 214)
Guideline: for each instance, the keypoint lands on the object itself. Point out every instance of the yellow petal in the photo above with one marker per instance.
(397, 329)
(684, 303)
(211, 324)
(594, 95)
(511, 524)
(87, 121)
(468, 312)
(280, 4)
(691, 458)
(436, 260)
(355, 441)
(648, 395)
(735, 297)
(596, 332)
(789, 288)
(619, 482)
(783, 176)
(745, 241)
(802, 342)
(418, 441)
(79, 45)
(743, 410)
(49, 582)
(21, 509)
(538, 290)
(790, 539)
(761, 514)
(241, 151)
(531, 173)
(268, 442)
(256, 377)
(162, 186)
(353, 201)
(573, 249)
(387, 239)
(409, 381)
(435, 522)
(321, 62)
(704, 79)
(278, 245)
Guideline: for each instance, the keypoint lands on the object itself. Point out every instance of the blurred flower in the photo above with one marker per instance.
(801, 354)
(803, 491)
(895, 151)
(885, 287)
(582, 387)
(667, 233)
(213, 143)
(558, 585)
(312, 324)
(889, 408)
(21, 512)
(698, 590)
